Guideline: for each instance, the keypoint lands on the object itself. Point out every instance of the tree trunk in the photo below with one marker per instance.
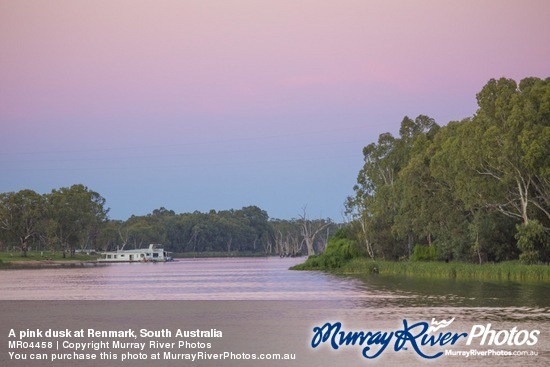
(523, 195)
(478, 247)
(309, 244)
(368, 244)
(24, 248)
(229, 245)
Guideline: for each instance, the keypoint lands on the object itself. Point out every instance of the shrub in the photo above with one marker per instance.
(533, 243)
(340, 249)
(424, 253)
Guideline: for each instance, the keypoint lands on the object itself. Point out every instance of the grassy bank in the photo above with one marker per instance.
(6, 257)
(40, 259)
(13, 257)
(502, 271)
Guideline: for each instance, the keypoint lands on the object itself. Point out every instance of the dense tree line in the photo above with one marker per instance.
(62, 219)
(75, 218)
(476, 189)
(248, 229)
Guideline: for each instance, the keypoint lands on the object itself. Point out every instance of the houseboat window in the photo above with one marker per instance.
(122, 255)
(108, 256)
(141, 255)
(156, 254)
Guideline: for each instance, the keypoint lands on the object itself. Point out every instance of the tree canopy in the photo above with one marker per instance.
(476, 189)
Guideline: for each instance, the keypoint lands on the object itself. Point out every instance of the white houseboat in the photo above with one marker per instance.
(152, 253)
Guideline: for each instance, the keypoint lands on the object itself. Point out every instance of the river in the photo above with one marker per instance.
(263, 293)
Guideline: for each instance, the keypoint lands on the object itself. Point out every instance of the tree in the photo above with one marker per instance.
(20, 216)
(257, 220)
(509, 147)
(372, 201)
(287, 237)
(388, 177)
(142, 230)
(499, 160)
(356, 209)
(77, 213)
(310, 230)
(111, 234)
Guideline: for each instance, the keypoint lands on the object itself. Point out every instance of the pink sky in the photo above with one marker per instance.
(82, 75)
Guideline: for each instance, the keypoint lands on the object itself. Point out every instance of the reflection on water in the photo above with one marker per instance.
(360, 301)
(270, 279)
(189, 279)
(468, 293)
(261, 279)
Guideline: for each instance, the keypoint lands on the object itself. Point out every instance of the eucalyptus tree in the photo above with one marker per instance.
(77, 214)
(419, 197)
(509, 146)
(139, 231)
(21, 215)
(287, 237)
(111, 235)
(371, 203)
(258, 220)
(385, 219)
(311, 229)
(505, 158)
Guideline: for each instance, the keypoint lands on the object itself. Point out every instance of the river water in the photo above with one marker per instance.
(263, 293)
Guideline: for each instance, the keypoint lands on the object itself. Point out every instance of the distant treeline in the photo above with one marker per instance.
(231, 231)
(74, 218)
(473, 190)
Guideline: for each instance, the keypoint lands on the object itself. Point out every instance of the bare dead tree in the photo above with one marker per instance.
(294, 244)
(311, 230)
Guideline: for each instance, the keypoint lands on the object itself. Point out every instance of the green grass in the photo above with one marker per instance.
(511, 270)
(9, 256)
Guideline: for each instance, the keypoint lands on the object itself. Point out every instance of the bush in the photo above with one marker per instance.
(533, 243)
(340, 249)
(424, 253)
(312, 263)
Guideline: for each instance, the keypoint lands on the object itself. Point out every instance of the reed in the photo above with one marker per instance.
(511, 270)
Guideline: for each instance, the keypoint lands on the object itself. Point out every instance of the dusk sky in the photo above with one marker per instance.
(202, 104)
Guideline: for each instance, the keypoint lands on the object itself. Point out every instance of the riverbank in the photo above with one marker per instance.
(188, 255)
(44, 259)
(510, 270)
(46, 264)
